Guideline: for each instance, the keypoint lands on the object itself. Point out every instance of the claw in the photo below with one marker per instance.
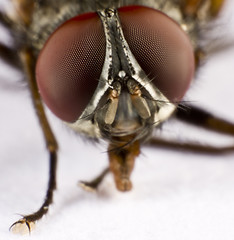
(22, 227)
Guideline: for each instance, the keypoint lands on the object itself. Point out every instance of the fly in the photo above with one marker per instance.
(144, 58)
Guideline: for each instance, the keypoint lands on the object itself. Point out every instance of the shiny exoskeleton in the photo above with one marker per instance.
(110, 70)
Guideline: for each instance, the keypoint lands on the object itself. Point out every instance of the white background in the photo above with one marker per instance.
(176, 195)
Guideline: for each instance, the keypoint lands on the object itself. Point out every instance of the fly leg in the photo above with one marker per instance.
(203, 119)
(28, 221)
(93, 184)
(16, 24)
(189, 146)
(9, 54)
(23, 15)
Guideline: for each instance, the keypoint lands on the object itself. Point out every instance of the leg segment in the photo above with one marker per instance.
(191, 147)
(10, 57)
(6, 21)
(201, 118)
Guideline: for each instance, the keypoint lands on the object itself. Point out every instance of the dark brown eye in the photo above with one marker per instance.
(161, 48)
(70, 64)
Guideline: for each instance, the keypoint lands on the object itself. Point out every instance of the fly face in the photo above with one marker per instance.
(115, 74)
(126, 104)
(118, 71)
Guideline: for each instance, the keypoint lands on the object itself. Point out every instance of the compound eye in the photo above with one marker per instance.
(161, 48)
(70, 64)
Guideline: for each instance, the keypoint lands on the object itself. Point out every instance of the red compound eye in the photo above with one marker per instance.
(70, 65)
(161, 48)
